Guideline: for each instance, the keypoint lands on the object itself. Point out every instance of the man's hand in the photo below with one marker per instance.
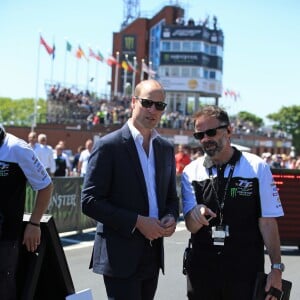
(32, 237)
(150, 227)
(169, 223)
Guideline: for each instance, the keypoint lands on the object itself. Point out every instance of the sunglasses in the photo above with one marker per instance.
(210, 132)
(159, 105)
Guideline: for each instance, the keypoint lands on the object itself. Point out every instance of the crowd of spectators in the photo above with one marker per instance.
(69, 105)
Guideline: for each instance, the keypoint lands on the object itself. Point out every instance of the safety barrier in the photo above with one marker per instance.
(64, 205)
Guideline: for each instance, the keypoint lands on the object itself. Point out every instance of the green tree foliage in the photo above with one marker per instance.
(288, 120)
(20, 112)
(251, 119)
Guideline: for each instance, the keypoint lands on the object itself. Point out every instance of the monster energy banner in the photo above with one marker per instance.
(64, 205)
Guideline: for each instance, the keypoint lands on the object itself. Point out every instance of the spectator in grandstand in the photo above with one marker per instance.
(45, 154)
(84, 157)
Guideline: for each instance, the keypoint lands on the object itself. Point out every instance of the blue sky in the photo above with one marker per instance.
(261, 50)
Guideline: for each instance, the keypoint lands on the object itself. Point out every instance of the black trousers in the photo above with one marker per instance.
(142, 284)
(9, 253)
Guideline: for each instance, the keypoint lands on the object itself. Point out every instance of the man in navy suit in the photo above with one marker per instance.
(130, 190)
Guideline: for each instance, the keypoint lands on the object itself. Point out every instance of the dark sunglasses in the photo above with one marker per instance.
(159, 105)
(210, 132)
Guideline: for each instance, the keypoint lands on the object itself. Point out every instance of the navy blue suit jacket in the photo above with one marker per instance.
(114, 193)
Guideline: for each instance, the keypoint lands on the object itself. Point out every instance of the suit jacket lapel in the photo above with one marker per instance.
(134, 157)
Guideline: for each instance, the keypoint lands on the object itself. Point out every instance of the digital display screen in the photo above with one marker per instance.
(288, 184)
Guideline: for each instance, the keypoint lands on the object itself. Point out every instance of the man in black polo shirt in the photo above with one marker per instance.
(236, 191)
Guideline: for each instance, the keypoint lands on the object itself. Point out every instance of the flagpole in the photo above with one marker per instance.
(116, 74)
(96, 76)
(87, 73)
(133, 76)
(52, 63)
(33, 124)
(125, 76)
(65, 65)
(150, 68)
(142, 69)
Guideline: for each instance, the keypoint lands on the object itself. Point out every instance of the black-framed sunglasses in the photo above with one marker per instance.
(210, 132)
(159, 105)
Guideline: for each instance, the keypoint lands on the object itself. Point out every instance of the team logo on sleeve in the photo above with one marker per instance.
(4, 168)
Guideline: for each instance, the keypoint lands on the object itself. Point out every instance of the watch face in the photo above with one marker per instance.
(280, 267)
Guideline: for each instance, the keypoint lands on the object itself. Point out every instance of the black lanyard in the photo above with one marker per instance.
(221, 203)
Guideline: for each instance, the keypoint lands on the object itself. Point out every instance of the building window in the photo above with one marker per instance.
(186, 46)
(176, 46)
(206, 48)
(166, 46)
(195, 72)
(213, 49)
(196, 46)
(185, 72)
(212, 75)
(175, 71)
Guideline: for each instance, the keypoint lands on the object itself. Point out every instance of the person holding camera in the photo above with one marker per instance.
(230, 204)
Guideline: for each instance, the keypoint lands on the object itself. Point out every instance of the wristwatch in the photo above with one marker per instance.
(279, 267)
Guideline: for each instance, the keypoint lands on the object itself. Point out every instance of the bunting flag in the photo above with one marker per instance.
(100, 55)
(47, 47)
(147, 69)
(68, 46)
(80, 53)
(131, 67)
(94, 55)
(232, 94)
(111, 61)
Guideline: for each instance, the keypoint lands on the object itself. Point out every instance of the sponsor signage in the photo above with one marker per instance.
(210, 87)
(193, 33)
(188, 58)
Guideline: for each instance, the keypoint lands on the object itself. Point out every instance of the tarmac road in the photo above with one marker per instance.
(172, 285)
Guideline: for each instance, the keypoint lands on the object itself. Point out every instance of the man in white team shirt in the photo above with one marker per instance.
(19, 164)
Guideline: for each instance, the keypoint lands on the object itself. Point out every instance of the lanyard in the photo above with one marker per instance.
(221, 203)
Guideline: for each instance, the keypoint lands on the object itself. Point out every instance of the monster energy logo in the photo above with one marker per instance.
(233, 192)
(129, 42)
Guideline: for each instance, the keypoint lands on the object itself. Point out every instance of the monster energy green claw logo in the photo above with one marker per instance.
(233, 192)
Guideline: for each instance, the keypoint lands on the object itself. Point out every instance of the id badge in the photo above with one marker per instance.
(219, 233)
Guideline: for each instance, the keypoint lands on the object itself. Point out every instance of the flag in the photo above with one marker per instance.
(68, 46)
(125, 65)
(111, 60)
(47, 47)
(232, 94)
(100, 55)
(94, 55)
(131, 67)
(80, 53)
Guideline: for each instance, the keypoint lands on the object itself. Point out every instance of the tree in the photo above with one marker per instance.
(251, 119)
(20, 112)
(288, 120)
